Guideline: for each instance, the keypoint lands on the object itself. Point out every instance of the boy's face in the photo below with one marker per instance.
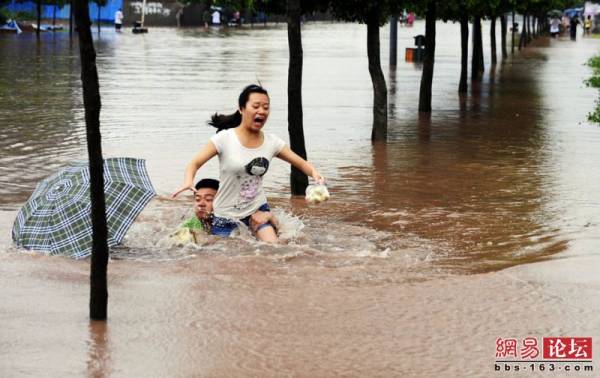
(203, 202)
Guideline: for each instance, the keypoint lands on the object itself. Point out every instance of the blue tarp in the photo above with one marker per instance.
(107, 13)
(11, 25)
(571, 12)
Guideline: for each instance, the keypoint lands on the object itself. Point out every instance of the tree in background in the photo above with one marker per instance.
(374, 14)
(3, 12)
(99, 5)
(294, 9)
(56, 4)
(429, 58)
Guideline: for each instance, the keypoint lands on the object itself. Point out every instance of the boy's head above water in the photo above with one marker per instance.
(206, 189)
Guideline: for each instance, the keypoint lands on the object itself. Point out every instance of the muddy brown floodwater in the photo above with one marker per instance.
(478, 222)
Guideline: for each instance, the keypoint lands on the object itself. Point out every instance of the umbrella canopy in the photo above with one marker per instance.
(572, 12)
(56, 219)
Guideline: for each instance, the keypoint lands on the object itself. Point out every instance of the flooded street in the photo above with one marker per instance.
(479, 222)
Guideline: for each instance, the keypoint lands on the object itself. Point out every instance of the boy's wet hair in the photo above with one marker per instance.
(207, 183)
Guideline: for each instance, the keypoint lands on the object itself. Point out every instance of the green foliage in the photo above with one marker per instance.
(280, 6)
(363, 11)
(594, 82)
(4, 16)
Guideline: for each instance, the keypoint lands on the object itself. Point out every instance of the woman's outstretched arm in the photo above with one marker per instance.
(206, 153)
(291, 157)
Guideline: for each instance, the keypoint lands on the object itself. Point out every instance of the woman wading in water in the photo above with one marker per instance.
(245, 152)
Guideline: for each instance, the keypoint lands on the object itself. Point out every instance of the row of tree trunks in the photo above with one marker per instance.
(298, 180)
(92, 105)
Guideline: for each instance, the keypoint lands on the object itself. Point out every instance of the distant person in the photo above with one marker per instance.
(118, 20)
(573, 27)
(178, 16)
(402, 17)
(206, 18)
(555, 27)
(587, 25)
(216, 17)
(410, 19)
(565, 23)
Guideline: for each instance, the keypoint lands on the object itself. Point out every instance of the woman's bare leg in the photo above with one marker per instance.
(267, 234)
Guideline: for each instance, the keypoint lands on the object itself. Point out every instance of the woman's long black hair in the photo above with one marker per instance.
(224, 121)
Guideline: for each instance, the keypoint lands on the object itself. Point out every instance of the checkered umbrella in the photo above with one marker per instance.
(57, 217)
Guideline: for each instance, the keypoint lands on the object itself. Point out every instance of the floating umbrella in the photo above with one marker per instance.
(56, 219)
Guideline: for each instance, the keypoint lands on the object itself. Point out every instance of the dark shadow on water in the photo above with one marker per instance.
(424, 127)
(99, 364)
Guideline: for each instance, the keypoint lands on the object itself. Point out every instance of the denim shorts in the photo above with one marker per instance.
(225, 226)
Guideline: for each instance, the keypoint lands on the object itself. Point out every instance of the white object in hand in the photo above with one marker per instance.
(317, 193)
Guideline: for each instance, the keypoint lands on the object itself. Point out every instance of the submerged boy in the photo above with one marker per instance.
(199, 225)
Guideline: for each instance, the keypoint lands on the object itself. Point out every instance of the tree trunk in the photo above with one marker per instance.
(480, 48)
(493, 40)
(464, 50)
(512, 34)
(39, 18)
(523, 36)
(393, 40)
(477, 55)
(71, 18)
(503, 36)
(428, 59)
(298, 180)
(92, 105)
(527, 30)
(98, 18)
(379, 132)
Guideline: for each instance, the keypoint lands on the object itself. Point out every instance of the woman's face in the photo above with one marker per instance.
(256, 111)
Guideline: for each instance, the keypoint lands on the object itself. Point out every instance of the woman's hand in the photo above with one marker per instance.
(286, 154)
(205, 154)
(183, 189)
(317, 177)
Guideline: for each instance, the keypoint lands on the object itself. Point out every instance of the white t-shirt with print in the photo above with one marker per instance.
(241, 171)
(118, 17)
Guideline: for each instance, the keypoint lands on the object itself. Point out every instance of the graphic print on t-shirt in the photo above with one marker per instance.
(251, 184)
(257, 167)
